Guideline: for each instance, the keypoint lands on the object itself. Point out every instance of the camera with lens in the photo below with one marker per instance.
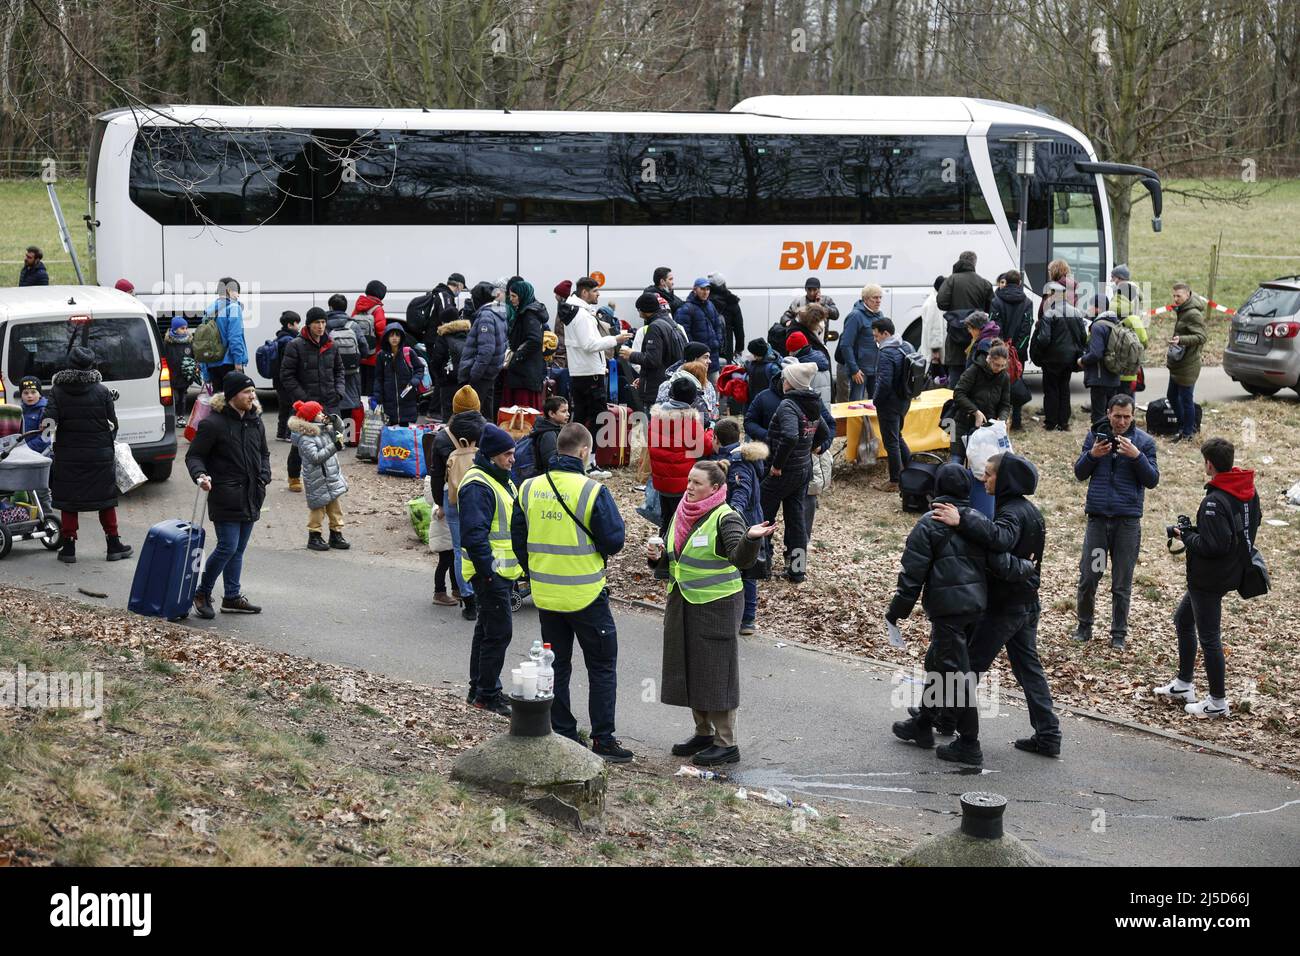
(1173, 531)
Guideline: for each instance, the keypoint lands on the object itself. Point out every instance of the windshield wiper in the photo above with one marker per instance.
(1259, 315)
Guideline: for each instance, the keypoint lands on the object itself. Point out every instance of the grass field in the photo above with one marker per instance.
(1257, 243)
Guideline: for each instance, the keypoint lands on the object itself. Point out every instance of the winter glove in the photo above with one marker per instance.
(337, 422)
(374, 403)
(338, 442)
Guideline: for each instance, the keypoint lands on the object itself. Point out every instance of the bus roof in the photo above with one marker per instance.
(888, 115)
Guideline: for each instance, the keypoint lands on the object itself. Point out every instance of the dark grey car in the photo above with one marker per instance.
(1263, 352)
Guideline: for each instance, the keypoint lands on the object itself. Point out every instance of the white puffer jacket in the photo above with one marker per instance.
(584, 346)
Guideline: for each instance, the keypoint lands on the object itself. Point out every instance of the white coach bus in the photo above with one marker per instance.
(299, 203)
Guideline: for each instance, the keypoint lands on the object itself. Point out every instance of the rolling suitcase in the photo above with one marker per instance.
(169, 566)
(613, 437)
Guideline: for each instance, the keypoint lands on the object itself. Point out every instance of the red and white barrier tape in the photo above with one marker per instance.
(1212, 305)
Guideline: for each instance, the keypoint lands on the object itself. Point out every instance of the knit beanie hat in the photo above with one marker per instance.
(799, 374)
(757, 348)
(693, 351)
(495, 440)
(234, 383)
(795, 341)
(684, 389)
(376, 289)
(647, 303)
(308, 411)
(465, 400)
(81, 358)
(1121, 273)
(29, 381)
(564, 289)
(179, 322)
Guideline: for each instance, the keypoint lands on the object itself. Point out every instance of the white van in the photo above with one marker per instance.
(40, 324)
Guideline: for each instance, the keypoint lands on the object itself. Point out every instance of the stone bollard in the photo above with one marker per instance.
(534, 766)
(979, 841)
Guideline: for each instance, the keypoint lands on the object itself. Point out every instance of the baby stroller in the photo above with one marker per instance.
(24, 473)
(519, 590)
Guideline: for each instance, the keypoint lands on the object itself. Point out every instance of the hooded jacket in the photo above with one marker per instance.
(1017, 529)
(979, 389)
(1060, 337)
(857, 346)
(983, 340)
(677, 439)
(1117, 484)
(466, 425)
(606, 525)
(231, 449)
(585, 343)
(311, 371)
(394, 375)
(445, 352)
(322, 478)
(485, 344)
(176, 349)
(797, 427)
(546, 434)
(891, 369)
(744, 477)
(1013, 311)
(351, 397)
(728, 305)
(661, 347)
(946, 571)
(1095, 372)
(965, 289)
(822, 383)
(703, 324)
(706, 401)
(1216, 554)
(674, 301)
(84, 474)
(1189, 326)
(762, 405)
(374, 307)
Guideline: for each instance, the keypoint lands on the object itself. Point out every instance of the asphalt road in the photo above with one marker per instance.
(811, 724)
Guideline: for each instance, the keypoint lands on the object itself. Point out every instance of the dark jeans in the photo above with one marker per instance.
(593, 626)
(947, 664)
(590, 397)
(890, 418)
(1018, 632)
(1198, 616)
(1183, 401)
(858, 392)
(284, 411)
(485, 389)
(493, 629)
(1017, 410)
(733, 335)
(1118, 539)
(217, 375)
(227, 559)
(786, 493)
(954, 373)
(751, 601)
(1101, 394)
(1056, 395)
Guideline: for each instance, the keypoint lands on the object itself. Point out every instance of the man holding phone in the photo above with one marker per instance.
(1119, 463)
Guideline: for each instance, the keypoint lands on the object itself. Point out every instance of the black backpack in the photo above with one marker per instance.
(916, 374)
(424, 313)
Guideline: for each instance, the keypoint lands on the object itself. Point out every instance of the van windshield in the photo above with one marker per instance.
(123, 348)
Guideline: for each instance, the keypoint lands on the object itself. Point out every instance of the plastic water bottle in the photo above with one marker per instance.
(535, 653)
(546, 673)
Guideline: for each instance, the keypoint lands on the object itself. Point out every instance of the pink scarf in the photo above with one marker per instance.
(690, 512)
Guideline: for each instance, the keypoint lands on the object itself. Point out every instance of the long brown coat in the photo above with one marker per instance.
(701, 656)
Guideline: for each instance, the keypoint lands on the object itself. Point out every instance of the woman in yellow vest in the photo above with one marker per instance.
(707, 546)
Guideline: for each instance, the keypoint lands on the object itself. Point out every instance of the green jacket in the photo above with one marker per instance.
(1189, 326)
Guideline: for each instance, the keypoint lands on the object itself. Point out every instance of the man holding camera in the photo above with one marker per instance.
(1119, 464)
(1218, 548)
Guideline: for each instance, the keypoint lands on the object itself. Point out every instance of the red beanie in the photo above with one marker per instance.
(564, 289)
(124, 285)
(308, 411)
(795, 341)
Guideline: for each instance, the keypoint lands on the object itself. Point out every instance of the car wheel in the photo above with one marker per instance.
(1262, 389)
(51, 534)
(157, 470)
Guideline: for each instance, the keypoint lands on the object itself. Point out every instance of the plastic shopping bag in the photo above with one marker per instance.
(984, 443)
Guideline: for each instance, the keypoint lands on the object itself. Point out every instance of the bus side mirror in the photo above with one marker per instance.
(1157, 201)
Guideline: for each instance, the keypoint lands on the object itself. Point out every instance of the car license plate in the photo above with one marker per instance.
(1247, 338)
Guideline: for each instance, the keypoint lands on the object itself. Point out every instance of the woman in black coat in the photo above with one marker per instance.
(398, 370)
(84, 474)
(526, 373)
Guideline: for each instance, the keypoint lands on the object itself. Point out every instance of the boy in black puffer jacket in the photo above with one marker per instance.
(797, 427)
(948, 573)
(1018, 529)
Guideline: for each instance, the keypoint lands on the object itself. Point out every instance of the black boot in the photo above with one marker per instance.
(945, 725)
(693, 746)
(961, 750)
(316, 541)
(68, 553)
(467, 610)
(915, 731)
(337, 542)
(116, 549)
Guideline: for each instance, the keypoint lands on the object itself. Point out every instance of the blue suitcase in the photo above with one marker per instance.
(169, 567)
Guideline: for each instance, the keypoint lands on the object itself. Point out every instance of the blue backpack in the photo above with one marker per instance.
(525, 465)
(267, 355)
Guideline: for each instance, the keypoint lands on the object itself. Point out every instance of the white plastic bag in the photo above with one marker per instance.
(129, 474)
(1293, 494)
(984, 443)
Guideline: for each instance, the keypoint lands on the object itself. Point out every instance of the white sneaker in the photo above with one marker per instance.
(599, 475)
(1208, 708)
(1176, 690)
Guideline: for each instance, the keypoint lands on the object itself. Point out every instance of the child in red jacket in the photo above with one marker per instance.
(677, 440)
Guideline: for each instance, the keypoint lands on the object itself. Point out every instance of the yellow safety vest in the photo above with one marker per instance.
(698, 571)
(565, 571)
(503, 554)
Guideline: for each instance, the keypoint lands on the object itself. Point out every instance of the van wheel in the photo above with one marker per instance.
(1262, 389)
(157, 470)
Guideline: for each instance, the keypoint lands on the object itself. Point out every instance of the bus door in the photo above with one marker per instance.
(1076, 233)
(550, 254)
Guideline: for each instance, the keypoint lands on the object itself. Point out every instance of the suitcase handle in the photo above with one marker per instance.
(196, 517)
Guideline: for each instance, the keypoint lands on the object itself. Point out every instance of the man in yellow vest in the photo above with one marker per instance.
(564, 529)
(486, 499)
